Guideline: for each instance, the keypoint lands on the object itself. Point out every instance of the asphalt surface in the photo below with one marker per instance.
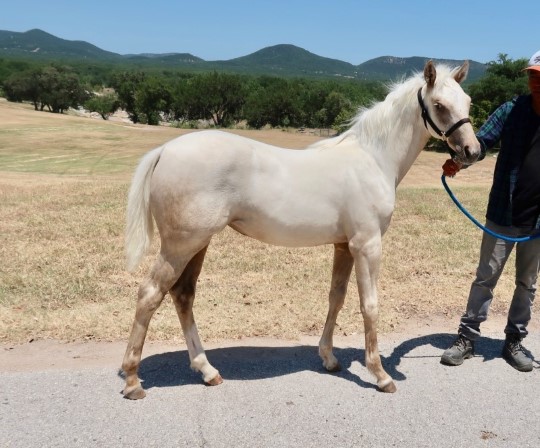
(274, 395)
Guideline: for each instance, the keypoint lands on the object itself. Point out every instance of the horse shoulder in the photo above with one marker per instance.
(370, 195)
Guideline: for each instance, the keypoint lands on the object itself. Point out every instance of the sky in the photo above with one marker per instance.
(353, 31)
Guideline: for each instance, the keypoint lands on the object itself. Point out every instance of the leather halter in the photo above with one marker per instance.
(427, 119)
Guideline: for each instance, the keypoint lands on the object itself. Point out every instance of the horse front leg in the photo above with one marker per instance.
(183, 295)
(367, 260)
(341, 273)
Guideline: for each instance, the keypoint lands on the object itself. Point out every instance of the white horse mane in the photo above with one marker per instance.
(376, 122)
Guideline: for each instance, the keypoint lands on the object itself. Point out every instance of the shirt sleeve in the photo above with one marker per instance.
(490, 132)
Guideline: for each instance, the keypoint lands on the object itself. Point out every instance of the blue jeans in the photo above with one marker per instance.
(494, 253)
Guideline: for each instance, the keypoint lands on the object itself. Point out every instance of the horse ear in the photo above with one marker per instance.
(430, 74)
(460, 73)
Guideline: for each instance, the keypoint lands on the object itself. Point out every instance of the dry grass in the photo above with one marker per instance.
(63, 182)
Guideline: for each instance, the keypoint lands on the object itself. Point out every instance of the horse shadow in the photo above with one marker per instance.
(249, 363)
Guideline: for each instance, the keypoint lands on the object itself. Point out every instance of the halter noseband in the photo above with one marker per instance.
(427, 119)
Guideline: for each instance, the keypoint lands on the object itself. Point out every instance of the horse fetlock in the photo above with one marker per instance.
(209, 373)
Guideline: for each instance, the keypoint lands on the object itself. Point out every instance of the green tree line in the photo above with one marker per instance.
(225, 99)
(220, 98)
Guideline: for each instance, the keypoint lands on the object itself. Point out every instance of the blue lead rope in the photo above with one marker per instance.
(468, 215)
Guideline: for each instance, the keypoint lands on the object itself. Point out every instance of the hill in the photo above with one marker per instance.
(390, 67)
(37, 44)
(290, 60)
(280, 60)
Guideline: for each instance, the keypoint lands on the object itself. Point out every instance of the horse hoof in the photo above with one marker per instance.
(389, 388)
(335, 368)
(216, 381)
(134, 394)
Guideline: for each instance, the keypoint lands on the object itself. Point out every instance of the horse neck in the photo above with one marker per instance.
(406, 151)
(394, 134)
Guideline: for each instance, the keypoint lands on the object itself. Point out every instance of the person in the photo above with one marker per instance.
(513, 210)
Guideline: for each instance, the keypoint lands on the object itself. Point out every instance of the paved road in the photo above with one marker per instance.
(274, 395)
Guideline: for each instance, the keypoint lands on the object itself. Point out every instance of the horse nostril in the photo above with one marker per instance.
(467, 152)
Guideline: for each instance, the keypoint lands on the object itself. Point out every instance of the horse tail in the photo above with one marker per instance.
(139, 222)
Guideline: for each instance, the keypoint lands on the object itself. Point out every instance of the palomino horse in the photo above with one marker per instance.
(341, 191)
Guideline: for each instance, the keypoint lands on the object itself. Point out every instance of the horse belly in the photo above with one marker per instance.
(291, 230)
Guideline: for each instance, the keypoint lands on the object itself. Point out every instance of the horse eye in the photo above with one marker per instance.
(439, 107)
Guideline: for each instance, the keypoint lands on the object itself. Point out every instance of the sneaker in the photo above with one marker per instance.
(515, 354)
(461, 349)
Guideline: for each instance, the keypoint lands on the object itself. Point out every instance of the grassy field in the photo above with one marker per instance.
(63, 184)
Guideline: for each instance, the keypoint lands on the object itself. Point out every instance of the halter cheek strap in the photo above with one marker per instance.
(427, 119)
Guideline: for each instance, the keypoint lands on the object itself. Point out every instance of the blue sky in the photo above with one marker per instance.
(349, 30)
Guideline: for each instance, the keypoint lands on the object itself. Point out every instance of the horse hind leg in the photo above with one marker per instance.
(341, 273)
(164, 274)
(183, 295)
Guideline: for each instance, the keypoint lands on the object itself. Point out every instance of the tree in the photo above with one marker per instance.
(125, 84)
(335, 105)
(152, 98)
(504, 79)
(145, 98)
(55, 87)
(274, 102)
(216, 96)
(183, 105)
(105, 104)
(60, 89)
(23, 87)
(14, 67)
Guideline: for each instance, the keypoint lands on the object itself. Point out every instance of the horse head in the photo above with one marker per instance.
(445, 110)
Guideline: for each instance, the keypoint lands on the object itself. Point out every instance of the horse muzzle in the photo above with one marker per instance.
(465, 152)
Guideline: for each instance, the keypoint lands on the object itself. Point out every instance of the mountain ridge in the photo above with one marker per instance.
(280, 60)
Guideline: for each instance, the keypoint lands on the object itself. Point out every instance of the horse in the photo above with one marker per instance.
(340, 191)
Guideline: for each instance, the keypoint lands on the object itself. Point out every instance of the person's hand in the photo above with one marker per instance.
(451, 168)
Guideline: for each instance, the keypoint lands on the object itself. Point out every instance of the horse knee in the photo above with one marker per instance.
(369, 310)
